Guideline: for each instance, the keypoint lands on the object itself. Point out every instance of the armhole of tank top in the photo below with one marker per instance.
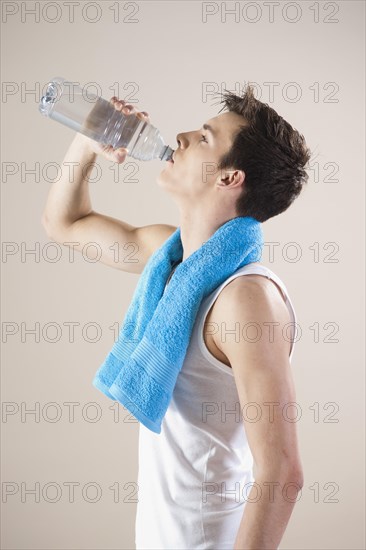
(246, 270)
(284, 292)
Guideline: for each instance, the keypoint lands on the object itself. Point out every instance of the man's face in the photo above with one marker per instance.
(197, 155)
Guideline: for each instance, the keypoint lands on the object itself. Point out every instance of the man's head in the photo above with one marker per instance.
(248, 160)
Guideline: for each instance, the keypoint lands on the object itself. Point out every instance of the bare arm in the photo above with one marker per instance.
(69, 199)
(263, 377)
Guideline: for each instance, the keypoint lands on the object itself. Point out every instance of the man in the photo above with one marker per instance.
(225, 471)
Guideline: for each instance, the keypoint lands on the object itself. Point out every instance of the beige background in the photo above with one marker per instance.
(169, 53)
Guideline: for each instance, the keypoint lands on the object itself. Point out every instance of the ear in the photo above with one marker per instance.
(231, 178)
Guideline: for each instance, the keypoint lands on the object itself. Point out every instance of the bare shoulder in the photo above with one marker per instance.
(250, 298)
(253, 290)
(151, 237)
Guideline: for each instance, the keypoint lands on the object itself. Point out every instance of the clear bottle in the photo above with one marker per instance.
(97, 118)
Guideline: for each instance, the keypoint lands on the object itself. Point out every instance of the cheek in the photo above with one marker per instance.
(197, 169)
(209, 170)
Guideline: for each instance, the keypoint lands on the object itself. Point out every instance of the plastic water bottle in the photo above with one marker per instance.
(97, 118)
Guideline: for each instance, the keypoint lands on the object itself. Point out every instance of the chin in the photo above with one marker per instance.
(163, 178)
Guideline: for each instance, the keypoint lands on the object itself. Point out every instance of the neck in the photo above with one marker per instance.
(196, 227)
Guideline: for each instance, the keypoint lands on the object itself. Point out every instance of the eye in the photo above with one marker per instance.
(204, 139)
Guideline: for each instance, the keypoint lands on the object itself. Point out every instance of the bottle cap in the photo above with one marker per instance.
(53, 92)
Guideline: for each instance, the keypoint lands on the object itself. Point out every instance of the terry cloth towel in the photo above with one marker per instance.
(142, 367)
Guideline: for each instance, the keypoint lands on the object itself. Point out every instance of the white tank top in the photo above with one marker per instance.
(192, 476)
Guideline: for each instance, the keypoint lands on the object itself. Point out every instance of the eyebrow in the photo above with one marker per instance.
(210, 129)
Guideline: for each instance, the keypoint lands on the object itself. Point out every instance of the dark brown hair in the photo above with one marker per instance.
(272, 154)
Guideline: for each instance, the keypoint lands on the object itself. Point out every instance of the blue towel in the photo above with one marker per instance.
(141, 370)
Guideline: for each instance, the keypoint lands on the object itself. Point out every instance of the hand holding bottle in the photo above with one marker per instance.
(107, 151)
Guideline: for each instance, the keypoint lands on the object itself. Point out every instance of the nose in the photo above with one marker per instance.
(182, 140)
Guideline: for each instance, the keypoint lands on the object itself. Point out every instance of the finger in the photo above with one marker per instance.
(119, 104)
(115, 101)
(120, 154)
(143, 115)
(129, 109)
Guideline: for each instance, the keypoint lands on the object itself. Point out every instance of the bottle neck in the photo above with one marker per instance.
(167, 153)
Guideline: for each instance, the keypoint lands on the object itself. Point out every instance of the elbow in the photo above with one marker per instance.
(295, 478)
(285, 473)
(46, 225)
(295, 471)
(44, 220)
(295, 475)
(48, 229)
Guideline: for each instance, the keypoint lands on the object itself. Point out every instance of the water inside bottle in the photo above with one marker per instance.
(109, 126)
(62, 111)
